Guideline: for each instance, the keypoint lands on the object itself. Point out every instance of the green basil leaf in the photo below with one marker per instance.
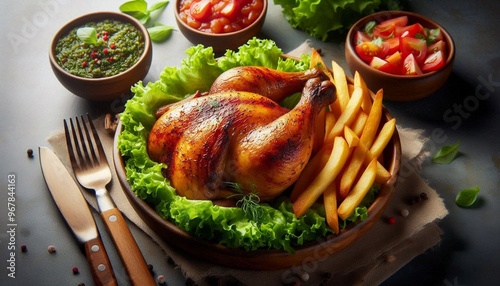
(158, 6)
(467, 197)
(446, 154)
(134, 6)
(160, 33)
(88, 35)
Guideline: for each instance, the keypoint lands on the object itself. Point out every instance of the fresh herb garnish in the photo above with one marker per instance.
(88, 35)
(446, 154)
(467, 197)
(249, 203)
(139, 10)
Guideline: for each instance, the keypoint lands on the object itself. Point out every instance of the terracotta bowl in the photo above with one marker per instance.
(263, 259)
(225, 41)
(107, 88)
(399, 87)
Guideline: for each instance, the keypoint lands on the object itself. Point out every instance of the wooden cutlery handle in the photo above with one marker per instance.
(129, 252)
(102, 272)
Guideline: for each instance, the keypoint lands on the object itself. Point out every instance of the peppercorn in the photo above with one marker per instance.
(30, 153)
(391, 220)
(75, 270)
(24, 248)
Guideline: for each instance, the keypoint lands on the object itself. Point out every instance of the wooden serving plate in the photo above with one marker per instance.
(264, 259)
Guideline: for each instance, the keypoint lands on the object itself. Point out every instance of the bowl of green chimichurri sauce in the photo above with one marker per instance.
(99, 56)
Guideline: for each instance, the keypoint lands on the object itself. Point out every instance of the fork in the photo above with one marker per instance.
(92, 171)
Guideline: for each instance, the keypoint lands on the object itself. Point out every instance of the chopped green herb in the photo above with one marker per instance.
(467, 197)
(446, 154)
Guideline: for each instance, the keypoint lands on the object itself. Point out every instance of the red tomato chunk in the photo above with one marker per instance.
(398, 47)
(220, 16)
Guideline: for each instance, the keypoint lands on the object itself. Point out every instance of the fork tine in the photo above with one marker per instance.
(89, 146)
(69, 143)
(100, 149)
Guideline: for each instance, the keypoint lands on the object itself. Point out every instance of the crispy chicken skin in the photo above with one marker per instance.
(239, 137)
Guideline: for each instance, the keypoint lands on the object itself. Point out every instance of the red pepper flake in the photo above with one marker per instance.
(75, 270)
(84, 64)
(113, 45)
(391, 220)
(105, 37)
(96, 60)
(110, 59)
(93, 55)
(105, 51)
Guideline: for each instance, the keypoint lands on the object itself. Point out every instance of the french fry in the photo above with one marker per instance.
(352, 169)
(340, 82)
(317, 61)
(366, 105)
(383, 138)
(350, 137)
(319, 130)
(330, 202)
(359, 123)
(329, 122)
(359, 191)
(312, 169)
(335, 163)
(373, 121)
(347, 116)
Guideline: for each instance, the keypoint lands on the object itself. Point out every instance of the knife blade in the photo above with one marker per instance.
(75, 210)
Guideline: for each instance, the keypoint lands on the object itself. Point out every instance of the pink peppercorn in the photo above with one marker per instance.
(391, 220)
(75, 270)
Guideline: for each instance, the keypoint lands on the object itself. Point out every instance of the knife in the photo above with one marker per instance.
(76, 212)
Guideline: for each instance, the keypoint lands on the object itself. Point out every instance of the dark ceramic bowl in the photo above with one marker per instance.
(263, 259)
(399, 87)
(224, 41)
(106, 88)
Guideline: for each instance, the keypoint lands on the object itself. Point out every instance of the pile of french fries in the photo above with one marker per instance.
(348, 145)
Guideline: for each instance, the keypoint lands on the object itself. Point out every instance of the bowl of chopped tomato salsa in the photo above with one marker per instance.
(220, 24)
(408, 55)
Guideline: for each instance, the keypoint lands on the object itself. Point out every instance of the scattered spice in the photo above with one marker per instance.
(75, 270)
(30, 153)
(51, 248)
(390, 258)
(161, 279)
(391, 220)
(24, 248)
(424, 196)
(405, 212)
(81, 284)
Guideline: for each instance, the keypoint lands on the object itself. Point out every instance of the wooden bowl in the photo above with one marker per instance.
(224, 41)
(399, 87)
(263, 259)
(106, 88)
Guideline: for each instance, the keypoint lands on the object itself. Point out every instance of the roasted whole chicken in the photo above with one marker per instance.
(237, 134)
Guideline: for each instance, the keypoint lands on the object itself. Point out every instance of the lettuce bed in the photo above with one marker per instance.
(277, 228)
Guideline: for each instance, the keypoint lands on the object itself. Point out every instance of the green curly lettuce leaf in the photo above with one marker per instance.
(277, 227)
(319, 18)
